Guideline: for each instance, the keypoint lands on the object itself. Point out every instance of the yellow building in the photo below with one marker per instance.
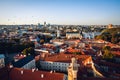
(73, 69)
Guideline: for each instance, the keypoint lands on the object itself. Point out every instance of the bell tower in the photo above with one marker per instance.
(58, 32)
(73, 69)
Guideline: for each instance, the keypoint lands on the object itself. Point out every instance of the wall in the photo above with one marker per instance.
(57, 66)
(30, 65)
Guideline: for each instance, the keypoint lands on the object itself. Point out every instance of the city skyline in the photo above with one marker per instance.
(68, 12)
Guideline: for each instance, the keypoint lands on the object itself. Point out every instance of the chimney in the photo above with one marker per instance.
(54, 71)
(33, 70)
(22, 72)
(11, 66)
(42, 75)
(51, 71)
(24, 55)
(37, 69)
(21, 55)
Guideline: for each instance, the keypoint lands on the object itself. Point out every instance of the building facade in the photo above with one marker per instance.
(70, 35)
(2, 62)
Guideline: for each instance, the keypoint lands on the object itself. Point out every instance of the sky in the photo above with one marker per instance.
(67, 12)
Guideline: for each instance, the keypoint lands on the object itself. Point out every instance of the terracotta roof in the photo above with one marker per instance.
(15, 74)
(112, 45)
(47, 47)
(117, 53)
(70, 50)
(62, 57)
(19, 56)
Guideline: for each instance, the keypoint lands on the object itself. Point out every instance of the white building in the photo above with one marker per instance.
(73, 35)
(60, 62)
(55, 66)
(25, 63)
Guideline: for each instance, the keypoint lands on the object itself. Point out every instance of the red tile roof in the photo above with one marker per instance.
(19, 56)
(15, 74)
(62, 57)
(70, 50)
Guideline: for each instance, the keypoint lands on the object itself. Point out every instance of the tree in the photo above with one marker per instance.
(25, 52)
(107, 52)
(111, 35)
(106, 48)
(29, 51)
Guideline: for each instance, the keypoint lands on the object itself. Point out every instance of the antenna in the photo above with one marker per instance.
(11, 66)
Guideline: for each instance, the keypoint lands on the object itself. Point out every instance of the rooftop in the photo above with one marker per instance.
(23, 61)
(62, 57)
(15, 74)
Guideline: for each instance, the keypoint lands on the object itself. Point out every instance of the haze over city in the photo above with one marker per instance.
(75, 12)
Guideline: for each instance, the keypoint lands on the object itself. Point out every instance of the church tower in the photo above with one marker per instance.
(58, 32)
(73, 69)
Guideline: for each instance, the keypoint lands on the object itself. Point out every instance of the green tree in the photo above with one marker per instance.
(111, 35)
(107, 52)
(106, 48)
(25, 52)
(29, 51)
